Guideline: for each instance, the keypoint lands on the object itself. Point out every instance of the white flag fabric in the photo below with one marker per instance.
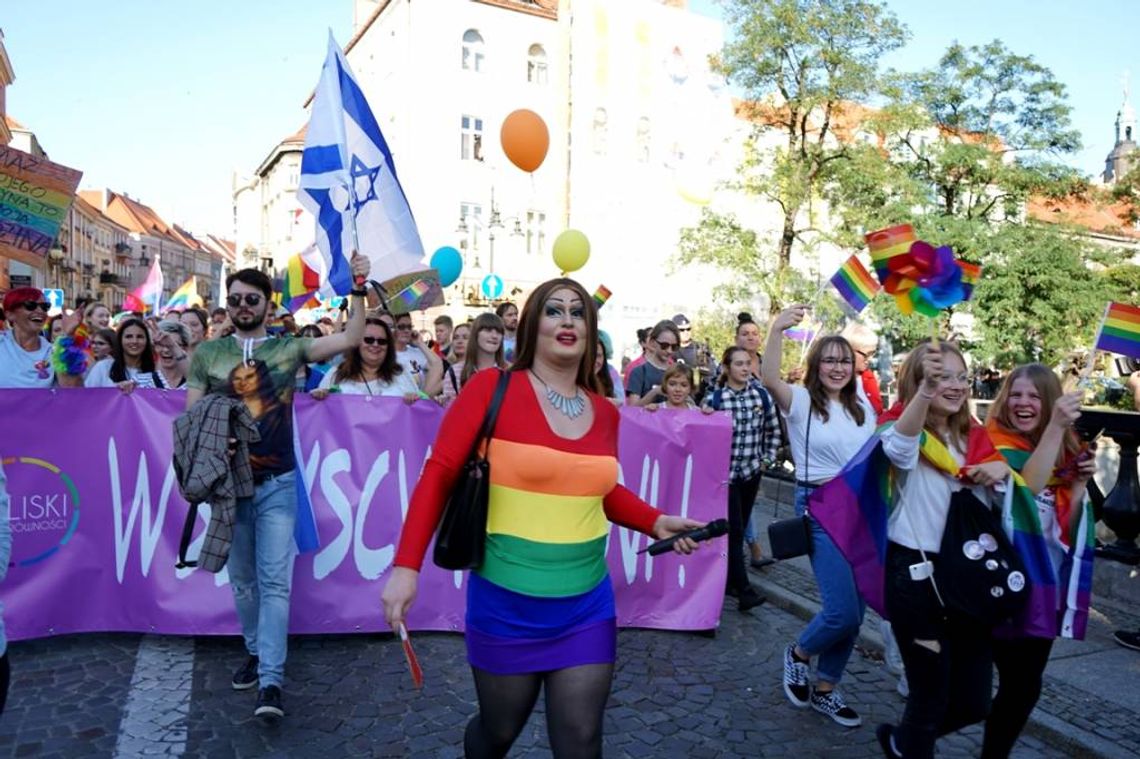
(348, 181)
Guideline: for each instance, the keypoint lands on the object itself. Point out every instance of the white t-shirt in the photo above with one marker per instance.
(415, 364)
(100, 376)
(401, 385)
(21, 368)
(833, 442)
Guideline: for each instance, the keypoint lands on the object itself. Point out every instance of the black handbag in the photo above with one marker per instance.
(979, 573)
(790, 538)
(463, 529)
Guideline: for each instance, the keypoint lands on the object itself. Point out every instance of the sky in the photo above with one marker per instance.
(163, 100)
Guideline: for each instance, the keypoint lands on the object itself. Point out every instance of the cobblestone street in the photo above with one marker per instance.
(675, 695)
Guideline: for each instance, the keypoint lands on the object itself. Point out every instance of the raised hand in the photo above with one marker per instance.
(789, 317)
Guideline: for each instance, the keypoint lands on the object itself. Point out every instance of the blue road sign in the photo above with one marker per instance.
(492, 286)
(55, 298)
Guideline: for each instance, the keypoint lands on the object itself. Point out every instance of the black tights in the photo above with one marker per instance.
(575, 702)
(5, 676)
(1020, 664)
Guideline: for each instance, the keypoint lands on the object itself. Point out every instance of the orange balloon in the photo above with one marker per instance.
(525, 139)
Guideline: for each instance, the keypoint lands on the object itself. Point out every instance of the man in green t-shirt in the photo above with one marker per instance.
(260, 370)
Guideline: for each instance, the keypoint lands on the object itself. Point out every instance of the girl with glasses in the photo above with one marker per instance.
(102, 344)
(645, 380)
(172, 347)
(370, 368)
(829, 420)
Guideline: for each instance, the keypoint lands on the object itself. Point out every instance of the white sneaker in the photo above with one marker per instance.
(796, 685)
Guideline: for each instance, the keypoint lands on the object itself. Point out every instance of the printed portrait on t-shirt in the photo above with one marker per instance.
(253, 383)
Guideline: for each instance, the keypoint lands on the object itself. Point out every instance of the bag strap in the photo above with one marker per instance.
(807, 451)
(492, 415)
(921, 552)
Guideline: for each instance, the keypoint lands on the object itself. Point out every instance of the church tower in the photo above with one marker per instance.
(1119, 160)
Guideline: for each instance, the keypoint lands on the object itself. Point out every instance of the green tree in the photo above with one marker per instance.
(801, 64)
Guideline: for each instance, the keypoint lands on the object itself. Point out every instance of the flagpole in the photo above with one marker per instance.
(161, 284)
(1087, 371)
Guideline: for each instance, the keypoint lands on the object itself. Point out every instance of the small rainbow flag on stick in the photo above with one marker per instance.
(855, 283)
(301, 283)
(1120, 330)
(971, 276)
(601, 295)
(410, 295)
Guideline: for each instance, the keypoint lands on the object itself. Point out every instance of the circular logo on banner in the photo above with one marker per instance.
(43, 510)
(1016, 581)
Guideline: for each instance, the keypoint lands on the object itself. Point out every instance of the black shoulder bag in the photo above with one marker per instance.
(463, 529)
(790, 538)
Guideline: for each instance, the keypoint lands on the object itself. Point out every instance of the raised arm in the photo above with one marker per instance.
(1039, 467)
(913, 417)
(324, 348)
(773, 352)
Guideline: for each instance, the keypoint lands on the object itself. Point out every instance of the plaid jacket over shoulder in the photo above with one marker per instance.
(207, 473)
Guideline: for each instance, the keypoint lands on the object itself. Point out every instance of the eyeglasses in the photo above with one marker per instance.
(684, 329)
(404, 327)
(956, 379)
(375, 340)
(666, 346)
(833, 361)
(31, 305)
(251, 299)
(866, 354)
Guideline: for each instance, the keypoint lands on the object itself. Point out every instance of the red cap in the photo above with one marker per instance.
(21, 294)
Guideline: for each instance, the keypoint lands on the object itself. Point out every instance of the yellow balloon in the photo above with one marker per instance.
(571, 251)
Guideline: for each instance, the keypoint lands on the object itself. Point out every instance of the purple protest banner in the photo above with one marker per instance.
(96, 517)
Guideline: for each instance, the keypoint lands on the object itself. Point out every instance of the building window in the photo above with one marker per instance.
(471, 219)
(643, 139)
(536, 65)
(600, 131)
(472, 51)
(471, 138)
(535, 232)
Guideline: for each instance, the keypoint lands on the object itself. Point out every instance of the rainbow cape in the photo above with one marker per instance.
(853, 509)
(1075, 533)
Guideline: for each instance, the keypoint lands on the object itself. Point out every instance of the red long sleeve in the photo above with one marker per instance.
(626, 509)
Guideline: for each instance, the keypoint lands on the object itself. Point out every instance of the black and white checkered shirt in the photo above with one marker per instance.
(755, 427)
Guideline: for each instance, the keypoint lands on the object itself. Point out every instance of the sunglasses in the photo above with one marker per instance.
(31, 305)
(251, 299)
(375, 340)
(404, 327)
(667, 346)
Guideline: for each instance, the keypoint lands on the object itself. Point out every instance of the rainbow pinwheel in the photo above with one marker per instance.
(923, 279)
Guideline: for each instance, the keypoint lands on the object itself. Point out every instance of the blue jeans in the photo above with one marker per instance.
(261, 573)
(832, 632)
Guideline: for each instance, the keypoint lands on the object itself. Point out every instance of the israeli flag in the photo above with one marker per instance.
(348, 182)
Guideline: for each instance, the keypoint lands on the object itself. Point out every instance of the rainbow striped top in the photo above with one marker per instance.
(551, 498)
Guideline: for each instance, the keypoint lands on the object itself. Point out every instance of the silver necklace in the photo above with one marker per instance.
(570, 406)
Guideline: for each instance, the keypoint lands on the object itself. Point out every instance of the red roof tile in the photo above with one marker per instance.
(1094, 212)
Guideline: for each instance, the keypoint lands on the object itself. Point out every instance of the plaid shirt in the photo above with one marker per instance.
(755, 434)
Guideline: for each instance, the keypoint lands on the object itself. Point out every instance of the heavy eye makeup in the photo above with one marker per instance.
(556, 309)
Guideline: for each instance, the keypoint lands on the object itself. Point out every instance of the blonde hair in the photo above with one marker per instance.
(910, 379)
(1048, 387)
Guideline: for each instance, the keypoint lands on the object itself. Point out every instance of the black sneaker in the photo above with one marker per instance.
(885, 734)
(1127, 639)
(246, 676)
(796, 672)
(748, 598)
(832, 704)
(269, 703)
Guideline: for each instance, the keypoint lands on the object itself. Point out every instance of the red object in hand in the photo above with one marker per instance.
(410, 655)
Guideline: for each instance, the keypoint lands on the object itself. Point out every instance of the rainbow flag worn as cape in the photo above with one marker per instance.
(853, 509)
(1074, 531)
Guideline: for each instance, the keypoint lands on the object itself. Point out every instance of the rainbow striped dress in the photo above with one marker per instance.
(542, 600)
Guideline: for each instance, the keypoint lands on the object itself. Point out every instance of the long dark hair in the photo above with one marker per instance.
(603, 376)
(119, 358)
(352, 367)
(528, 330)
(482, 323)
(848, 394)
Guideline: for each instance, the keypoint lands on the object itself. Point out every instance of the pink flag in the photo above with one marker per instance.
(146, 296)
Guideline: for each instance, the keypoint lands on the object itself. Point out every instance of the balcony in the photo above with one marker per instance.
(123, 251)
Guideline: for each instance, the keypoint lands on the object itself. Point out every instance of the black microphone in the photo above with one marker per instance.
(713, 529)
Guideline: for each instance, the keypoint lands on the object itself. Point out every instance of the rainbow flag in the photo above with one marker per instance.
(886, 244)
(185, 296)
(410, 296)
(853, 509)
(601, 295)
(855, 284)
(147, 296)
(971, 275)
(300, 285)
(1044, 617)
(1120, 330)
